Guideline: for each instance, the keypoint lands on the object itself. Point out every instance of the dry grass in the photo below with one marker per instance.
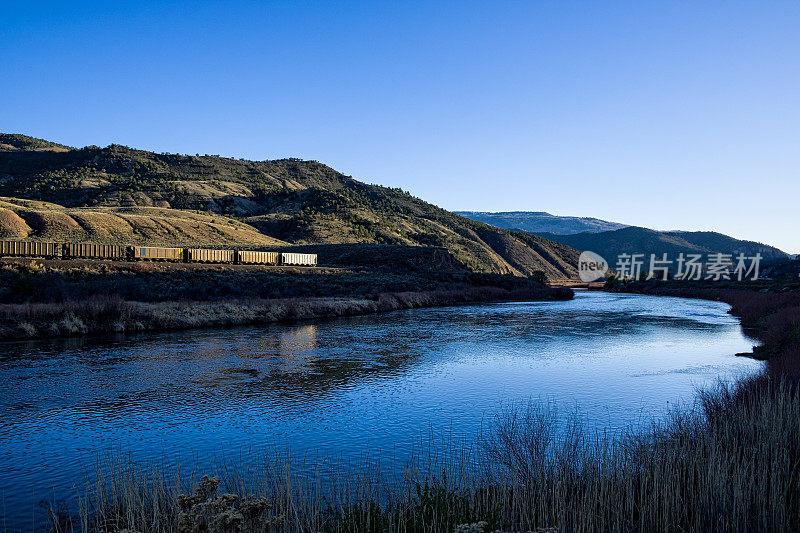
(12, 226)
(64, 298)
(111, 314)
(151, 225)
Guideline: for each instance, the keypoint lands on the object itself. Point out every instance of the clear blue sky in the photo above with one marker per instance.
(673, 115)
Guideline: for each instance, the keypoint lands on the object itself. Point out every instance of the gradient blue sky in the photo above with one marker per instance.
(673, 115)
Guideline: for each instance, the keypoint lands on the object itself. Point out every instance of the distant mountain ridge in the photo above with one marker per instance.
(120, 193)
(541, 222)
(618, 238)
(635, 240)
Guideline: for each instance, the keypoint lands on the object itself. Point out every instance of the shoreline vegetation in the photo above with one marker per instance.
(112, 315)
(89, 298)
(728, 464)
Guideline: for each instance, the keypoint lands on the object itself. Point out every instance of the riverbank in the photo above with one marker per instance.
(75, 300)
(734, 457)
(113, 315)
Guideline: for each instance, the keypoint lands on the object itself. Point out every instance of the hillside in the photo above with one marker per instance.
(610, 244)
(30, 219)
(288, 200)
(541, 222)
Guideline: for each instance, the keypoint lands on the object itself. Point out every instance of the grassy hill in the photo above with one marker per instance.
(31, 219)
(610, 244)
(288, 201)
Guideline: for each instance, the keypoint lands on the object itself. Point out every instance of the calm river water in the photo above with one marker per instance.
(342, 386)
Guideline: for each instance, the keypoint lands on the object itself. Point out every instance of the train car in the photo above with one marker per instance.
(250, 257)
(298, 259)
(117, 252)
(95, 251)
(30, 249)
(205, 255)
(152, 253)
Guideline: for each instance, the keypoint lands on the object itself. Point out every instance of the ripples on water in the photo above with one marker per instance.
(341, 386)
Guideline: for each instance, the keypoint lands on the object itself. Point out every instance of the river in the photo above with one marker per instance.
(338, 387)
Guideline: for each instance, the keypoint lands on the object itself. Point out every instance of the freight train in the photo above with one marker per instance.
(120, 252)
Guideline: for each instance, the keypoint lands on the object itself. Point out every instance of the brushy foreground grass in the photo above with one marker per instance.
(731, 464)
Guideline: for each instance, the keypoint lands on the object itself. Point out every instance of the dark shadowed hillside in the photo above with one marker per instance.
(288, 201)
(610, 244)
